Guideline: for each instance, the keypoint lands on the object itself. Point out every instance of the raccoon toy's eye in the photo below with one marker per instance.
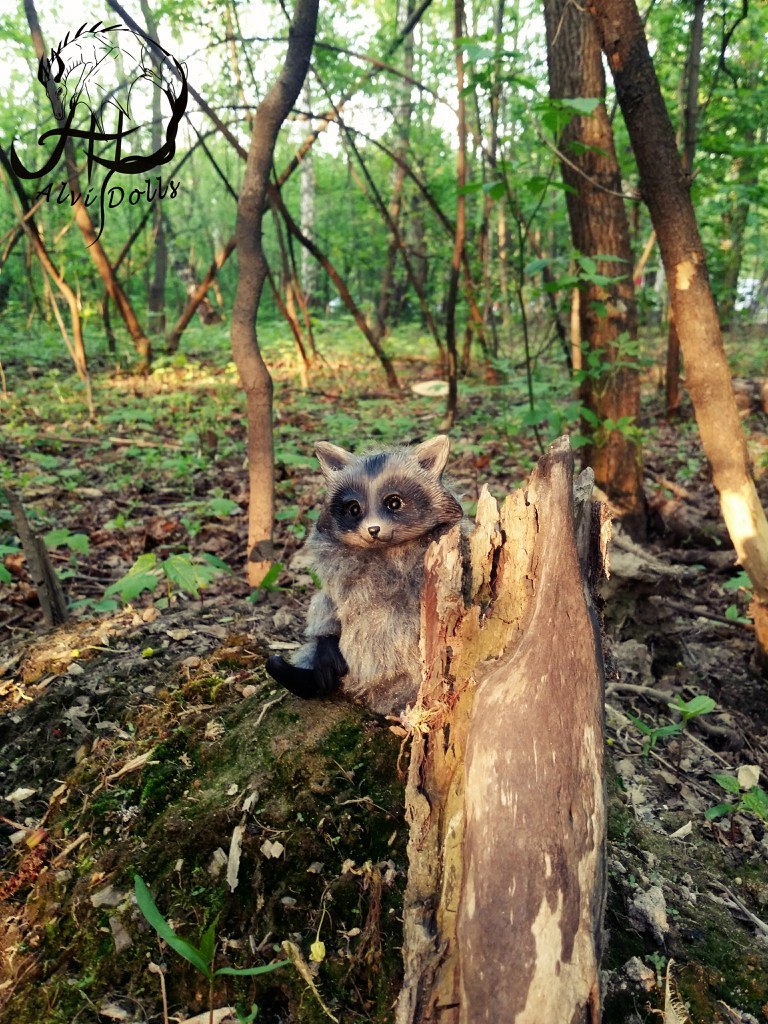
(352, 508)
(394, 503)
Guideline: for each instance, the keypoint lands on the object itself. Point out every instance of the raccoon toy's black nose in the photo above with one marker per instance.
(374, 531)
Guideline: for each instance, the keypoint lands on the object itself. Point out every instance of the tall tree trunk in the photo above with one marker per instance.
(599, 226)
(688, 132)
(484, 247)
(75, 347)
(403, 113)
(307, 220)
(344, 292)
(461, 224)
(156, 298)
(197, 296)
(252, 272)
(85, 224)
(665, 189)
(747, 173)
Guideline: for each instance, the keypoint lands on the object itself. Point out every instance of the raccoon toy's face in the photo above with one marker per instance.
(388, 497)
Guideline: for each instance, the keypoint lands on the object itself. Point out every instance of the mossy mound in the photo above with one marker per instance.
(312, 794)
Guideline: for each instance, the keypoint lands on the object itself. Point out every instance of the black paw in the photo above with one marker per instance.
(318, 681)
(329, 661)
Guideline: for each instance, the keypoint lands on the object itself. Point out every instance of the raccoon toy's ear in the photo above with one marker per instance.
(432, 455)
(331, 458)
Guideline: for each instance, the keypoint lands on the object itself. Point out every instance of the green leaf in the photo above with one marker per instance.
(5, 576)
(663, 731)
(243, 1017)
(224, 507)
(208, 942)
(270, 579)
(142, 564)
(742, 581)
(590, 417)
(181, 572)
(250, 972)
(62, 538)
(698, 705)
(718, 811)
(131, 585)
(536, 265)
(727, 782)
(640, 724)
(756, 802)
(581, 104)
(495, 189)
(149, 909)
(215, 562)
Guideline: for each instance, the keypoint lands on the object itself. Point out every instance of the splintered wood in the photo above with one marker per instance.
(504, 905)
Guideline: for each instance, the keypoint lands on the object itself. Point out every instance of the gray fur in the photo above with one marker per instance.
(371, 565)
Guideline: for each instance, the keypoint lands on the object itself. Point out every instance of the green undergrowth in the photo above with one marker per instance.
(715, 957)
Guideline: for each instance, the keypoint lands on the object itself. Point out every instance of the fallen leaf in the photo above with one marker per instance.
(18, 796)
(112, 1011)
(179, 634)
(272, 849)
(233, 861)
(748, 775)
(684, 831)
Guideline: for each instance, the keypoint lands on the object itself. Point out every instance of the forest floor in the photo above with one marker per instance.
(143, 737)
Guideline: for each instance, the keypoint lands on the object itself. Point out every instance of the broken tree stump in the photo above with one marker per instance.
(504, 906)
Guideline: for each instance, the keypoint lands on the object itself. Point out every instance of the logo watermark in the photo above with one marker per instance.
(111, 92)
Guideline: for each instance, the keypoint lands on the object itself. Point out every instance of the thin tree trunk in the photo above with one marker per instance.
(307, 197)
(49, 592)
(708, 379)
(688, 136)
(599, 226)
(252, 272)
(452, 362)
(747, 173)
(85, 224)
(156, 297)
(403, 113)
(484, 248)
(397, 240)
(344, 293)
(290, 285)
(75, 347)
(198, 295)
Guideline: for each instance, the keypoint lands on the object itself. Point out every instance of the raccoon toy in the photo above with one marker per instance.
(382, 511)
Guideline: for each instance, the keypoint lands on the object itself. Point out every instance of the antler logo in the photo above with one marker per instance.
(100, 83)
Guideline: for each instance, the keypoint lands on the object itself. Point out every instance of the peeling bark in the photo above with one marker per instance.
(505, 786)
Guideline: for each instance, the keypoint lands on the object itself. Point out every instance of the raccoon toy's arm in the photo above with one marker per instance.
(319, 664)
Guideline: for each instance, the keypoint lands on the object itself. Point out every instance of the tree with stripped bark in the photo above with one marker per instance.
(666, 191)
